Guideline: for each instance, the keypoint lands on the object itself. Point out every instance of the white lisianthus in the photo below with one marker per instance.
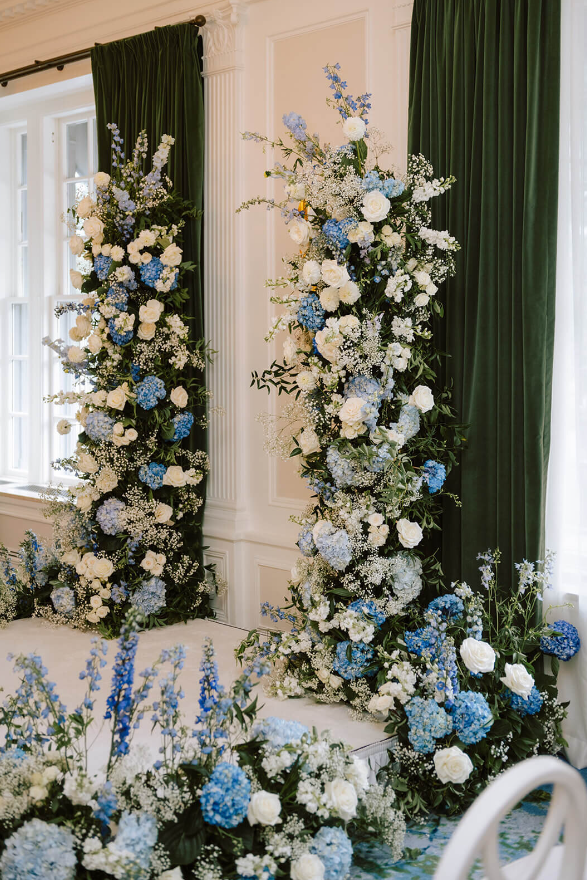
(349, 292)
(151, 311)
(409, 533)
(343, 798)
(375, 206)
(354, 128)
(117, 253)
(86, 463)
(171, 256)
(299, 231)
(389, 237)
(422, 398)
(179, 397)
(116, 399)
(163, 512)
(421, 300)
(147, 238)
(348, 324)
(75, 354)
(333, 274)
(311, 272)
(85, 207)
(175, 476)
(306, 380)
(101, 179)
(518, 679)
(477, 656)
(93, 227)
(76, 278)
(329, 299)
(146, 331)
(452, 765)
(309, 441)
(63, 426)
(307, 867)
(264, 809)
(76, 245)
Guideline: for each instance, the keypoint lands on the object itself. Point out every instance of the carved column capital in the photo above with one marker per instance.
(223, 38)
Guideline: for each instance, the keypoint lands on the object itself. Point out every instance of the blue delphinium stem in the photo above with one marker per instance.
(166, 713)
(91, 675)
(120, 702)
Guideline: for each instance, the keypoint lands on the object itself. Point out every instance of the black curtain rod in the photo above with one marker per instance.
(62, 60)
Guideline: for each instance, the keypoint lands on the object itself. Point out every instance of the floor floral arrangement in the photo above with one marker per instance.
(375, 441)
(231, 796)
(121, 535)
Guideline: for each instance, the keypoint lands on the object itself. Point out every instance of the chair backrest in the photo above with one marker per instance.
(477, 834)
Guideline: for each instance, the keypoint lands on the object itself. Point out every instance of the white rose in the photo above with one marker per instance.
(306, 381)
(354, 128)
(106, 248)
(309, 441)
(349, 292)
(375, 519)
(101, 178)
(343, 798)
(85, 207)
(38, 793)
(63, 426)
(323, 674)
(348, 324)
(117, 253)
(477, 656)
(76, 245)
(84, 502)
(72, 557)
(352, 411)
(94, 343)
(380, 703)
(307, 867)
(146, 331)
(335, 681)
(311, 272)
(422, 278)
(422, 398)
(93, 227)
(171, 256)
(421, 300)
(92, 617)
(95, 602)
(149, 561)
(116, 398)
(107, 480)
(146, 257)
(264, 809)
(330, 299)
(333, 274)
(179, 397)
(163, 512)
(410, 534)
(76, 278)
(99, 398)
(75, 354)
(173, 874)
(131, 434)
(83, 324)
(299, 231)
(151, 311)
(375, 206)
(518, 679)
(174, 476)
(452, 765)
(86, 463)
(389, 237)
(102, 568)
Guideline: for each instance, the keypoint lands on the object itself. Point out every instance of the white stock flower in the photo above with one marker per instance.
(101, 179)
(163, 512)
(307, 867)
(76, 245)
(375, 206)
(93, 227)
(264, 809)
(85, 207)
(349, 292)
(76, 278)
(151, 311)
(309, 441)
(146, 331)
(311, 272)
(63, 426)
(409, 533)
(179, 397)
(333, 274)
(354, 128)
(329, 299)
(477, 656)
(171, 256)
(518, 679)
(422, 398)
(343, 798)
(306, 380)
(299, 231)
(452, 765)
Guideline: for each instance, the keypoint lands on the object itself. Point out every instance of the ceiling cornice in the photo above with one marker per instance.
(13, 12)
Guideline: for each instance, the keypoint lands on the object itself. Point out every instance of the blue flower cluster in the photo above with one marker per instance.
(119, 704)
(408, 423)
(225, 797)
(434, 475)
(377, 462)
(369, 390)
(343, 471)
(149, 391)
(338, 86)
(118, 297)
(106, 803)
(183, 425)
(422, 641)
(152, 474)
(151, 271)
(472, 717)
(427, 722)
(563, 646)
(335, 548)
(296, 125)
(119, 592)
(117, 337)
(310, 313)
(63, 599)
(390, 187)
(335, 850)
(149, 597)
(361, 656)
(336, 231)
(279, 732)
(135, 372)
(102, 266)
(523, 707)
(99, 426)
(38, 850)
(449, 606)
(406, 573)
(306, 542)
(137, 835)
(368, 609)
(108, 515)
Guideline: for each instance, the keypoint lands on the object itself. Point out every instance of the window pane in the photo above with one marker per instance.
(77, 149)
(20, 375)
(95, 146)
(23, 159)
(67, 442)
(19, 436)
(23, 287)
(24, 215)
(20, 328)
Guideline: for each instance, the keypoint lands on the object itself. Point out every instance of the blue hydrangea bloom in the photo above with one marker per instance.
(563, 646)
(406, 573)
(99, 426)
(117, 337)
(149, 391)
(434, 475)
(152, 474)
(408, 423)
(427, 722)
(101, 266)
(37, 851)
(343, 471)
(225, 797)
(149, 597)
(336, 231)
(390, 187)
(183, 425)
(108, 516)
(422, 641)
(450, 606)
(135, 372)
(137, 835)
(335, 850)
(279, 732)
(118, 297)
(369, 390)
(472, 717)
(335, 548)
(310, 313)
(63, 599)
(361, 655)
(151, 271)
(106, 803)
(369, 609)
(379, 461)
(306, 542)
(531, 706)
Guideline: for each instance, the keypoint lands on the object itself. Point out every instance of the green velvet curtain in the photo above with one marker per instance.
(153, 82)
(484, 106)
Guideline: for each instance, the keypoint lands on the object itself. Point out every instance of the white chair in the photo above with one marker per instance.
(477, 835)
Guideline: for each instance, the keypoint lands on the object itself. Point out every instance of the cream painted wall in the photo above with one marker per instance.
(262, 59)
